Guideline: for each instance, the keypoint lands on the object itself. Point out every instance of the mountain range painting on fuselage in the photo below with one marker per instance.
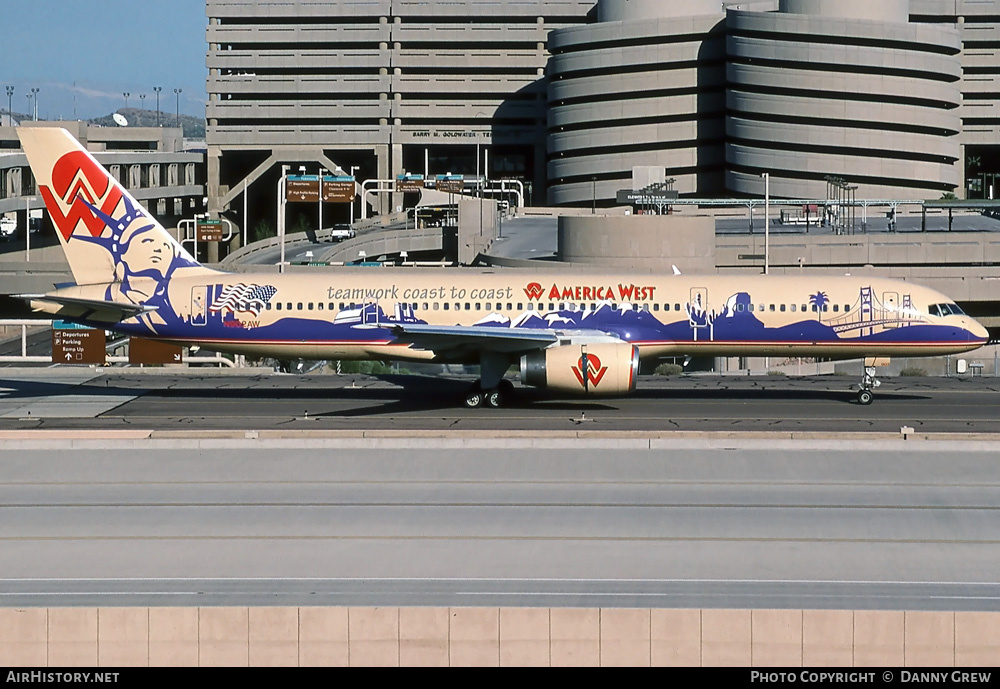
(572, 331)
(350, 313)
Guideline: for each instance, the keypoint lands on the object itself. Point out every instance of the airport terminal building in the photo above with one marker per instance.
(898, 97)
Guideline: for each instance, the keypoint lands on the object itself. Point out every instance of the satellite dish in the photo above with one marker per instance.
(120, 119)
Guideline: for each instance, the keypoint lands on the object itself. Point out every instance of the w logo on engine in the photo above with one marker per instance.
(589, 370)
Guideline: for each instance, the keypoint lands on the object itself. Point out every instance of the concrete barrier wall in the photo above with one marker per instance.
(119, 637)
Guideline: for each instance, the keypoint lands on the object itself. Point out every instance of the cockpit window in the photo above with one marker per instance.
(945, 310)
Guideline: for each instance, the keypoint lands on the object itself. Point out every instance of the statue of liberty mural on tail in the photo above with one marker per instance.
(144, 261)
(111, 243)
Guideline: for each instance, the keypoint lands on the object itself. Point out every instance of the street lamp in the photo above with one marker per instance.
(142, 101)
(353, 168)
(767, 214)
(34, 97)
(10, 93)
(282, 184)
(157, 89)
(177, 96)
(126, 94)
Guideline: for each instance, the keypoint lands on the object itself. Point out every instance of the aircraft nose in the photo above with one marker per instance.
(977, 331)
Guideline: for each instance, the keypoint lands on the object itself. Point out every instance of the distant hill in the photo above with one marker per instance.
(194, 127)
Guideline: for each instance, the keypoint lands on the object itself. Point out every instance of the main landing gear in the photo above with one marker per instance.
(494, 397)
(868, 382)
(491, 390)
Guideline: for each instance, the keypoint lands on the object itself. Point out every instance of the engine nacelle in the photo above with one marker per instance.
(605, 370)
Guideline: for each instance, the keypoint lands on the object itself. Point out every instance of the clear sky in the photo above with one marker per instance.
(83, 54)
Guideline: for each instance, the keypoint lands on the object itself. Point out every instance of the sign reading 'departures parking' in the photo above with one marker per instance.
(78, 345)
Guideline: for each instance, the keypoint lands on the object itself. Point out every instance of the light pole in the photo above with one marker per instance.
(353, 168)
(34, 97)
(282, 183)
(126, 94)
(142, 101)
(319, 227)
(157, 89)
(767, 214)
(177, 98)
(10, 94)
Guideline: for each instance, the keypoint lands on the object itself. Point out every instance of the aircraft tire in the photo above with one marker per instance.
(495, 399)
(865, 397)
(474, 398)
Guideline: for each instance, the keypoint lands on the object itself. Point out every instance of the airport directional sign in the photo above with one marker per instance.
(407, 183)
(453, 184)
(305, 188)
(78, 345)
(143, 351)
(209, 230)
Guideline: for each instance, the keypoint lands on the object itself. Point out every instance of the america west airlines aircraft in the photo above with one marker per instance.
(571, 333)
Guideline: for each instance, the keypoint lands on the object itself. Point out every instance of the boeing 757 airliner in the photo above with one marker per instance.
(572, 333)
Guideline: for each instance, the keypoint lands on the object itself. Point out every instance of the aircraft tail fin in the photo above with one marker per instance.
(105, 233)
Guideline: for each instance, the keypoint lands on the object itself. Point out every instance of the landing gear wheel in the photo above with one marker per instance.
(865, 397)
(495, 398)
(474, 398)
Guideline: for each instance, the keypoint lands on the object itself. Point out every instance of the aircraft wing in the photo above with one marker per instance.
(91, 309)
(449, 338)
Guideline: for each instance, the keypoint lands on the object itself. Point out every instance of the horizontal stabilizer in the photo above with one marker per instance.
(88, 309)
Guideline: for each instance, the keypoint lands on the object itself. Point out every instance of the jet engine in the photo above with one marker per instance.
(604, 369)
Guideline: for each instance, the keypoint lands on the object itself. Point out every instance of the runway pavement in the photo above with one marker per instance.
(118, 398)
(542, 521)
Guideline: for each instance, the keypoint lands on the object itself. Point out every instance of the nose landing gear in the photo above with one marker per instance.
(868, 383)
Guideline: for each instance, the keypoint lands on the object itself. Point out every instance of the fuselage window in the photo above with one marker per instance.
(677, 307)
(520, 307)
(310, 305)
(446, 306)
(739, 308)
(319, 305)
(468, 306)
(782, 308)
(510, 307)
(426, 306)
(267, 306)
(645, 307)
(793, 308)
(836, 308)
(289, 306)
(479, 306)
(333, 307)
(825, 308)
(458, 307)
(656, 307)
(277, 306)
(772, 308)
(846, 308)
(804, 308)
(341, 306)
(437, 306)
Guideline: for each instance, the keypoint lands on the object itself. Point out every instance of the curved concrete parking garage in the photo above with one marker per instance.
(842, 88)
(643, 87)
